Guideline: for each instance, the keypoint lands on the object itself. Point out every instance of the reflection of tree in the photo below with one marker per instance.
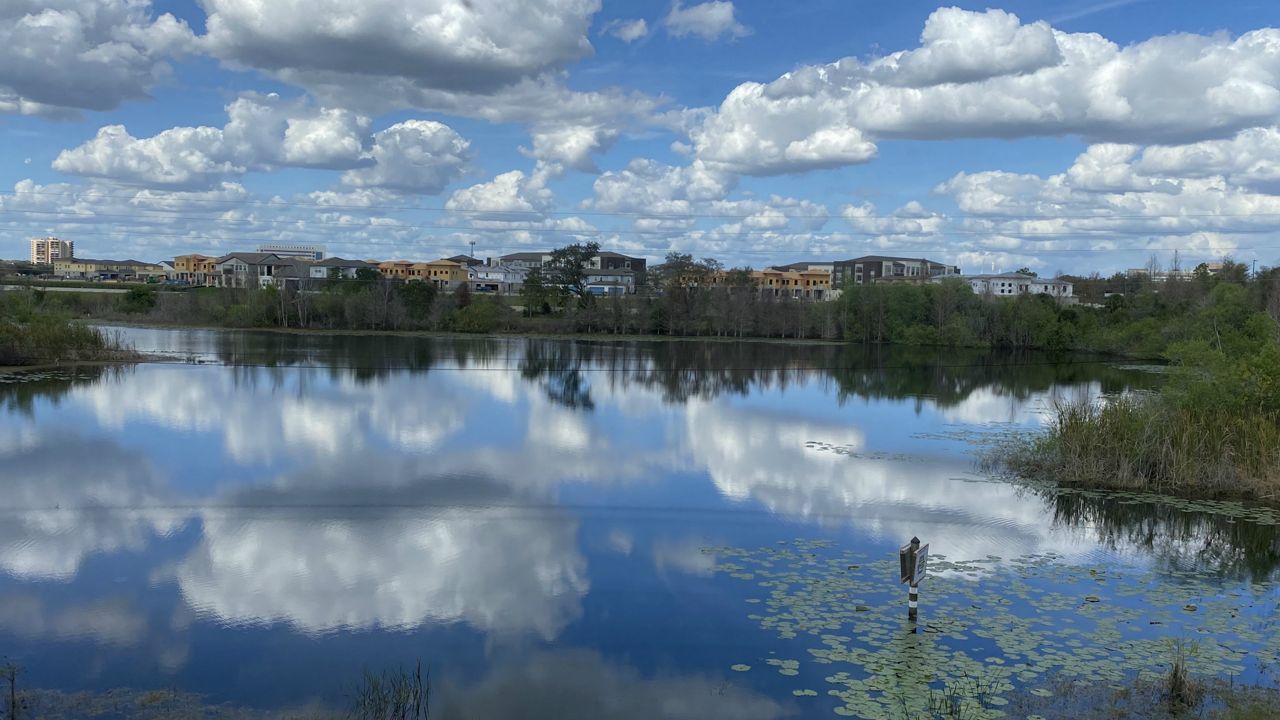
(20, 392)
(559, 367)
(950, 376)
(1181, 539)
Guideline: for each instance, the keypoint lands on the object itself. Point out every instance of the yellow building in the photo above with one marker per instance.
(800, 284)
(195, 269)
(86, 269)
(441, 273)
(395, 269)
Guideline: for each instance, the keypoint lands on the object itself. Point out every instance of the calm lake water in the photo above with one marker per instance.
(588, 529)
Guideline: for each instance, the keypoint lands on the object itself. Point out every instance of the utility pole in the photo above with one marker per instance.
(473, 248)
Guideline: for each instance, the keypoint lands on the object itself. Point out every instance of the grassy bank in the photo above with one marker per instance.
(32, 335)
(1212, 432)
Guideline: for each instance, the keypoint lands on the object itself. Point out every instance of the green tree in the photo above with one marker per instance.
(534, 293)
(568, 269)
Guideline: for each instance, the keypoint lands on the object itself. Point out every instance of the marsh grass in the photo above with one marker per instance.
(1144, 441)
(31, 335)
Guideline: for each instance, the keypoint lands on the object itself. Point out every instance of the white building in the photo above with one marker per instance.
(1014, 284)
(502, 279)
(45, 250)
(611, 282)
(308, 252)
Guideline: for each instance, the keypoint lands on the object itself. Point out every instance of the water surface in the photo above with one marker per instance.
(583, 528)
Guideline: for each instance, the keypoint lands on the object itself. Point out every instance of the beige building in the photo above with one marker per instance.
(86, 269)
(196, 269)
(444, 274)
(44, 251)
(799, 284)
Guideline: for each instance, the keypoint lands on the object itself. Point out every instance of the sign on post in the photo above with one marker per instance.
(921, 563)
(913, 559)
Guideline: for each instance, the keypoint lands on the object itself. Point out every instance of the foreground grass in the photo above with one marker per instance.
(32, 336)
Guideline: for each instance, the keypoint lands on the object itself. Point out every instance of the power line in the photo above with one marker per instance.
(869, 243)
(273, 204)
(68, 218)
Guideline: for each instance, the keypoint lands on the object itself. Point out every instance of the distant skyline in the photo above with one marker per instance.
(1069, 136)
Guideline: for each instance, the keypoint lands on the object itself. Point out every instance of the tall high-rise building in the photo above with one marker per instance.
(45, 250)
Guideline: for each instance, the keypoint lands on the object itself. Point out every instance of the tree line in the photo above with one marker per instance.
(681, 300)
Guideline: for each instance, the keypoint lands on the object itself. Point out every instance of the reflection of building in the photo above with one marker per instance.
(883, 268)
(86, 269)
(195, 269)
(1014, 284)
(309, 252)
(45, 250)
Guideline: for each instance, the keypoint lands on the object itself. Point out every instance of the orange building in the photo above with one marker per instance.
(195, 269)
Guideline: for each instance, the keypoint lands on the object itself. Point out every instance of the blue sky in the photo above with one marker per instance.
(1076, 136)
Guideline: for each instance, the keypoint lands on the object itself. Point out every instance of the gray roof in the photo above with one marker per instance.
(524, 256)
(251, 258)
(344, 263)
(888, 258)
(104, 262)
(801, 265)
(1010, 276)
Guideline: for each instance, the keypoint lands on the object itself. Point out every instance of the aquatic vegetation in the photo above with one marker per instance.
(992, 626)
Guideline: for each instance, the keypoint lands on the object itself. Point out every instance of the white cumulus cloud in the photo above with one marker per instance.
(628, 31)
(60, 56)
(988, 75)
(708, 20)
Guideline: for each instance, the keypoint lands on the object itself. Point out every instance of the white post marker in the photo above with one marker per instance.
(913, 559)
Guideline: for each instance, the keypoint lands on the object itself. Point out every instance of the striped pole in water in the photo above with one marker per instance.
(913, 601)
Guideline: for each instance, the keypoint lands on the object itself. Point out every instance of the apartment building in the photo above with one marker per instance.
(1014, 284)
(602, 261)
(306, 252)
(44, 251)
(883, 268)
(89, 269)
(444, 274)
(797, 284)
